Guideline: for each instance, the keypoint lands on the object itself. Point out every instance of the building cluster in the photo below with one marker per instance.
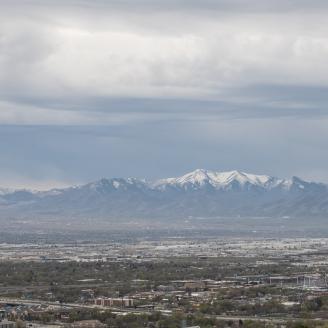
(7, 324)
(145, 251)
(292, 265)
(114, 302)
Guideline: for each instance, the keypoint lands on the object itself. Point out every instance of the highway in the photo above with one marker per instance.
(271, 319)
(15, 289)
(19, 301)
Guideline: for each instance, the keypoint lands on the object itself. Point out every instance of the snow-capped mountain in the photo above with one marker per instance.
(198, 193)
(221, 181)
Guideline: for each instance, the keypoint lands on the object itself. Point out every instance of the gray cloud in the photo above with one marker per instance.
(184, 5)
(154, 88)
(116, 53)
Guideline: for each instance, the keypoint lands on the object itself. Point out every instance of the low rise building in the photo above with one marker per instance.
(87, 324)
(194, 286)
(115, 302)
(7, 324)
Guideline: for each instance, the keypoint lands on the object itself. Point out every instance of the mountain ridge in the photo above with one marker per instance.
(201, 193)
(198, 177)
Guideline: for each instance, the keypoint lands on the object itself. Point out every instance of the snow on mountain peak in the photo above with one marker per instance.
(195, 180)
(219, 180)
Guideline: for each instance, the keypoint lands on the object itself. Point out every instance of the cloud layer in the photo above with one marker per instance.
(209, 73)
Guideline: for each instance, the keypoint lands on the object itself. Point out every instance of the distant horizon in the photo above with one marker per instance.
(68, 185)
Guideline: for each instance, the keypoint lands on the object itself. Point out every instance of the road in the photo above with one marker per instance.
(19, 301)
(140, 311)
(15, 289)
(277, 320)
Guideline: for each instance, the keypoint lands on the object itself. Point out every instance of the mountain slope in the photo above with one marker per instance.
(200, 193)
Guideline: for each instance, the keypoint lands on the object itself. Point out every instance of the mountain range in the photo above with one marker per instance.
(200, 193)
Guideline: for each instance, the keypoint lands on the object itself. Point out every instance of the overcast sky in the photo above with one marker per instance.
(157, 88)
